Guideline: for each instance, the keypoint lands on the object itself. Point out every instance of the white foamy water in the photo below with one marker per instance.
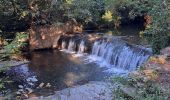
(115, 55)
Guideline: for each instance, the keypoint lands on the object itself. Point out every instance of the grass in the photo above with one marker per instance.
(135, 89)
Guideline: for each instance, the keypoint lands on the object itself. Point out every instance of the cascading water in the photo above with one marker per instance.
(112, 53)
(74, 46)
(81, 48)
(71, 46)
(115, 53)
(63, 45)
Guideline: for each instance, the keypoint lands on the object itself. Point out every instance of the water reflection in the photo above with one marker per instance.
(59, 69)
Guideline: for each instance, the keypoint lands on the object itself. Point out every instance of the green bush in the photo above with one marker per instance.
(142, 90)
(16, 45)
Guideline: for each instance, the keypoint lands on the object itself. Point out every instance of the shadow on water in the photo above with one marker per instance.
(60, 69)
(129, 33)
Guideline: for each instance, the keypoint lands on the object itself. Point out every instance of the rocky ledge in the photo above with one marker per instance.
(90, 91)
(12, 63)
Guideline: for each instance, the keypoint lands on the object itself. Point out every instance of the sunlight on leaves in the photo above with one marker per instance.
(108, 16)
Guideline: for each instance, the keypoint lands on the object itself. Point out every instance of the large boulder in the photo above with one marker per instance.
(166, 51)
(43, 37)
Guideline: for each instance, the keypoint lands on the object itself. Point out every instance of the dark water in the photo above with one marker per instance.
(60, 69)
(130, 33)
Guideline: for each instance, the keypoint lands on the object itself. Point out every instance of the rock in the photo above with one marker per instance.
(130, 91)
(12, 63)
(162, 59)
(148, 72)
(134, 74)
(20, 86)
(32, 79)
(18, 93)
(21, 90)
(48, 85)
(90, 91)
(165, 51)
(17, 98)
(30, 83)
(29, 90)
(41, 85)
(47, 36)
(145, 79)
(25, 96)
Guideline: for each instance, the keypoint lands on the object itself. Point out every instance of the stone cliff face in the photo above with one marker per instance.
(42, 37)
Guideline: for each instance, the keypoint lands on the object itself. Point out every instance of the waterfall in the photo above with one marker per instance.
(118, 54)
(108, 52)
(63, 45)
(71, 46)
(81, 48)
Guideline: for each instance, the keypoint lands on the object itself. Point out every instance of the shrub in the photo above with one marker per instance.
(16, 45)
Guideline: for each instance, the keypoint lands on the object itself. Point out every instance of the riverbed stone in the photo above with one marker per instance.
(20, 86)
(43, 37)
(90, 91)
(32, 79)
(48, 85)
(12, 63)
(29, 90)
(41, 85)
(166, 51)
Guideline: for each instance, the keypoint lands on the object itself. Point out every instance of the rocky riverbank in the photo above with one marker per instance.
(12, 63)
(90, 91)
(151, 81)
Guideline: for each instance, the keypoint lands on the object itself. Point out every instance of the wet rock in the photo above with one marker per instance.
(32, 79)
(30, 83)
(12, 63)
(29, 90)
(41, 85)
(24, 96)
(90, 91)
(20, 86)
(130, 91)
(20, 73)
(48, 85)
(18, 93)
(21, 90)
(166, 51)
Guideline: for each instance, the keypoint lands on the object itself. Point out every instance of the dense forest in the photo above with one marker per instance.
(19, 19)
(19, 15)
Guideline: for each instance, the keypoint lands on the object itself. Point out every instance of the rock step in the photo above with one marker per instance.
(90, 91)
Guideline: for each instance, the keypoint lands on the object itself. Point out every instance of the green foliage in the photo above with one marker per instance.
(84, 11)
(159, 41)
(1, 84)
(158, 9)
(17, 43)
(3, 69)
(141, 90)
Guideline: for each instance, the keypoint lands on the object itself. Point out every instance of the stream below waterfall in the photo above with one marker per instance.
(72, 65)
